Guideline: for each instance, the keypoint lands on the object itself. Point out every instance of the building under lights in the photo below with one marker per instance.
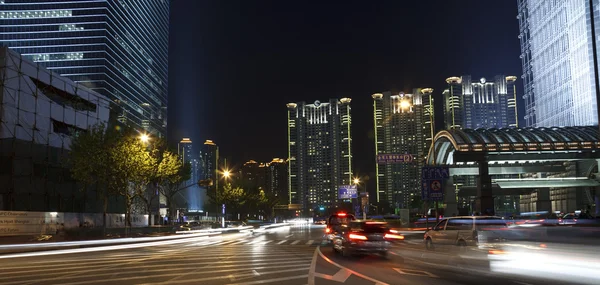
(210, 163)
(404, 128)
(319, 151)
(184, 150)
(116, 48)
(270, 177)
(480, 104)
(557, 52)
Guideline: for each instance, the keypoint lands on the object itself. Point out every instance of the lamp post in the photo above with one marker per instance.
(226, 176)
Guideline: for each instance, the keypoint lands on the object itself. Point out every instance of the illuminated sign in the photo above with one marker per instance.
(395, 158)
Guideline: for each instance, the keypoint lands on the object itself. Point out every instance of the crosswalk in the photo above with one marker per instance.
(259, 241)
(170, 264)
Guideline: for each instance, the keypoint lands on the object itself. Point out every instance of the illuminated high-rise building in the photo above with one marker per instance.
(185, 150)
(558, 54)
(403, 133)
(210, 163)
(320, 152)
(480, 104)
(116, 48)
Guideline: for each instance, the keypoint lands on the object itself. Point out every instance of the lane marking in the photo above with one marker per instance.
(296, 242)
(341, 276)
(310, 242)
(283, 241)
(289, 236)
(415, 272)
(318, 250)
(266, 242)
(272, 280)
(196, 279)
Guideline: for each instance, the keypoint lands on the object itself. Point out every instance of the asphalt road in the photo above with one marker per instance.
(293, 255)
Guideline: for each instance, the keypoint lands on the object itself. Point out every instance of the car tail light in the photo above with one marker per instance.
(359, 237)
(327, 230)
(342, 214)
(496, 251)
(393, 236)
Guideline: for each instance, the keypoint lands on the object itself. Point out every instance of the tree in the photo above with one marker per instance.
(134, 164)
(91, 162)
(172, 173)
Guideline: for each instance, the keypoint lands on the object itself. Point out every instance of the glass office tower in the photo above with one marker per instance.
(557, 53)
(115, 47)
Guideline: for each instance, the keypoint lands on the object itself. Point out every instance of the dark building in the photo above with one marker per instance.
(116, 48)
(404, 131)
(481, 104)
(254, 175)
(210, 163)
(319, 152)
(278, 175)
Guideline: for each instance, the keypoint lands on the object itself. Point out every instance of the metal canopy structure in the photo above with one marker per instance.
(453, 147)
(486, 152)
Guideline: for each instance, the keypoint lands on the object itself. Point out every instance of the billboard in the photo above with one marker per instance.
(347, 192)
(395, 158)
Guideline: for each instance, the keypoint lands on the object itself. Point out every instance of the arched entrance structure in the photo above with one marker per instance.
(485, 152)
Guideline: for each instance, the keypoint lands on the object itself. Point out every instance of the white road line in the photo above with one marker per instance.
(283, 241)
(310, 242)
(296, 242)
(272, 280)
(318, 250)
(239, 242)
(266, 242)
(197, 280)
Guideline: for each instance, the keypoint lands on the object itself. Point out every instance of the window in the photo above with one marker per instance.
(440, 226)
(460, 224)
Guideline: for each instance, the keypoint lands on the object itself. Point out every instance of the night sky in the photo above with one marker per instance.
(233, 65)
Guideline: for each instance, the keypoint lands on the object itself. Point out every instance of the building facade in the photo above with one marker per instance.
(277, 182)
(40, 113)
(480, 104)
(116, 48)
(403, 131)
(254, 175)
(558, 53)
(319, 152)
(184, 150)
(210, 163)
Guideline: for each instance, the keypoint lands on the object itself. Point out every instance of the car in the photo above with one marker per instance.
(364, 237)
(336, 222)
(464, 231)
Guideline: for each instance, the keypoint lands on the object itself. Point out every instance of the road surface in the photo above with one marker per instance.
(294, 255)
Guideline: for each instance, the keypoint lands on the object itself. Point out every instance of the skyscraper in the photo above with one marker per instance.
(558, 54)
(254, 175)
(184, 149)
(277, 179)
(210, 162)
(480, 104)
(116, 48)
(319, 151)
(403, 134)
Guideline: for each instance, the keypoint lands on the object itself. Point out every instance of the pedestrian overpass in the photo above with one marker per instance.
(486, 152)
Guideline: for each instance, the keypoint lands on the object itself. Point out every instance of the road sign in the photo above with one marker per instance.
(347, 192)
(432, 182)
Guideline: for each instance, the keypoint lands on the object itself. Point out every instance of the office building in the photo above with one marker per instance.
(184, 150)
(558, 53)
(270, 177)
(319, 152)
(116, 48)
(404, 130)
(277, 179)
(254, 175)
(477, 104)
(40, 113)
(210, 163)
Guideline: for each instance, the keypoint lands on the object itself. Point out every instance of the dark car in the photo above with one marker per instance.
(364, 237)
(336, 222)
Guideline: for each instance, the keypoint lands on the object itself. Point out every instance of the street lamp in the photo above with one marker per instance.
(226, 174)
(356, 181)
(144, 138)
